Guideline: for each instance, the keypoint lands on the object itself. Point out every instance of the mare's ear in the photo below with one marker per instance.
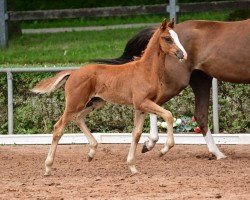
(164, 24)
(171, 23)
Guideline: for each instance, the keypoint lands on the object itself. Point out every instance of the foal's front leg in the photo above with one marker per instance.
(154, 137)
(151, 107)
(139, 119)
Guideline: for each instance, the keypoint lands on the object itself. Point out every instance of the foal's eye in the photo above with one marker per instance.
(168, 39)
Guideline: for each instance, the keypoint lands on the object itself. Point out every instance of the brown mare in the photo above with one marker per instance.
(139, 83)
(215, 49)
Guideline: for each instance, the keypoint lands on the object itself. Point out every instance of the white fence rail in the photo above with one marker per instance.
(122, 138)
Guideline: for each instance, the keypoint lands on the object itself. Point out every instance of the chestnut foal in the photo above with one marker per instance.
(140, 83)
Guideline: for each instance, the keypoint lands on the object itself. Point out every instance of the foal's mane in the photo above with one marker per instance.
(153, 45)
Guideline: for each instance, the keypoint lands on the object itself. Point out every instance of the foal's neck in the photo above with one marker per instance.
(153, 55)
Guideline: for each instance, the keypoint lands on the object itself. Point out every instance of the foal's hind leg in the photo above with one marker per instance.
(81, 123)
(57, 134)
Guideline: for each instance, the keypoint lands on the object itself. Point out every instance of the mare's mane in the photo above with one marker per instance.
(134, 48)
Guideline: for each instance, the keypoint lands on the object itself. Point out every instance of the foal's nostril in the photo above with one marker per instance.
(180, 54)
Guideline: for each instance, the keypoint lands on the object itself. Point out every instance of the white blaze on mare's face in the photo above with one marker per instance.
(177, 42)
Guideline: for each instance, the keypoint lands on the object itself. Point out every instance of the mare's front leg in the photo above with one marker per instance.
(201, 85)
(139, 119)
(151, 107)
(154, 137)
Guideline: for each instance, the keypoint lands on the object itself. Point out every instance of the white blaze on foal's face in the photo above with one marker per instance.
(169, 41)
(174, 36)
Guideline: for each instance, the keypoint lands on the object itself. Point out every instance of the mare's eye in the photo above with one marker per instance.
(168, 39)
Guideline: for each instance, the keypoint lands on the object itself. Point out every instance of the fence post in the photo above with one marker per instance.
(215, 105)
(173, 8)
(3, 24)
(10, 102)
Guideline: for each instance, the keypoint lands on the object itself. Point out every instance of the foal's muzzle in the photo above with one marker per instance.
(180, 54)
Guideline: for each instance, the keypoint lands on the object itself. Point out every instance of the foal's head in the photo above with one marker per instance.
(169, 41)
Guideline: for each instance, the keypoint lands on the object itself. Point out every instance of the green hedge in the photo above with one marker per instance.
(38, 113)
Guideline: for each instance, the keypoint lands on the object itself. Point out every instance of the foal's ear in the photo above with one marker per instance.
(171, 23)
(164, 24)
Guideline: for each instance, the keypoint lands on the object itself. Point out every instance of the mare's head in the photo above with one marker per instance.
(169, 41)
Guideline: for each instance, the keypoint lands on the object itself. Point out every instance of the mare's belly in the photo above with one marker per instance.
(227, 66)
(228, 72)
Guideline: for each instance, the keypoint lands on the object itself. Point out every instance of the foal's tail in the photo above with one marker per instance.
(48, 85)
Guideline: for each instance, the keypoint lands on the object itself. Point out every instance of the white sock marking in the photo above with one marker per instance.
(212, 147)
(153, 127)
(153, 138)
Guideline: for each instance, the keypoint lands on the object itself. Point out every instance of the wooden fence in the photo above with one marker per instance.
(125, 10)
(172, 8)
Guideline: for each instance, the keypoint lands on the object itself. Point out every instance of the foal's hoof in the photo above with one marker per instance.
(89, 158)
(47, 174)
(47, 171)
(221, 156)
(144, 148)
(133, 170)
(161, 154)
